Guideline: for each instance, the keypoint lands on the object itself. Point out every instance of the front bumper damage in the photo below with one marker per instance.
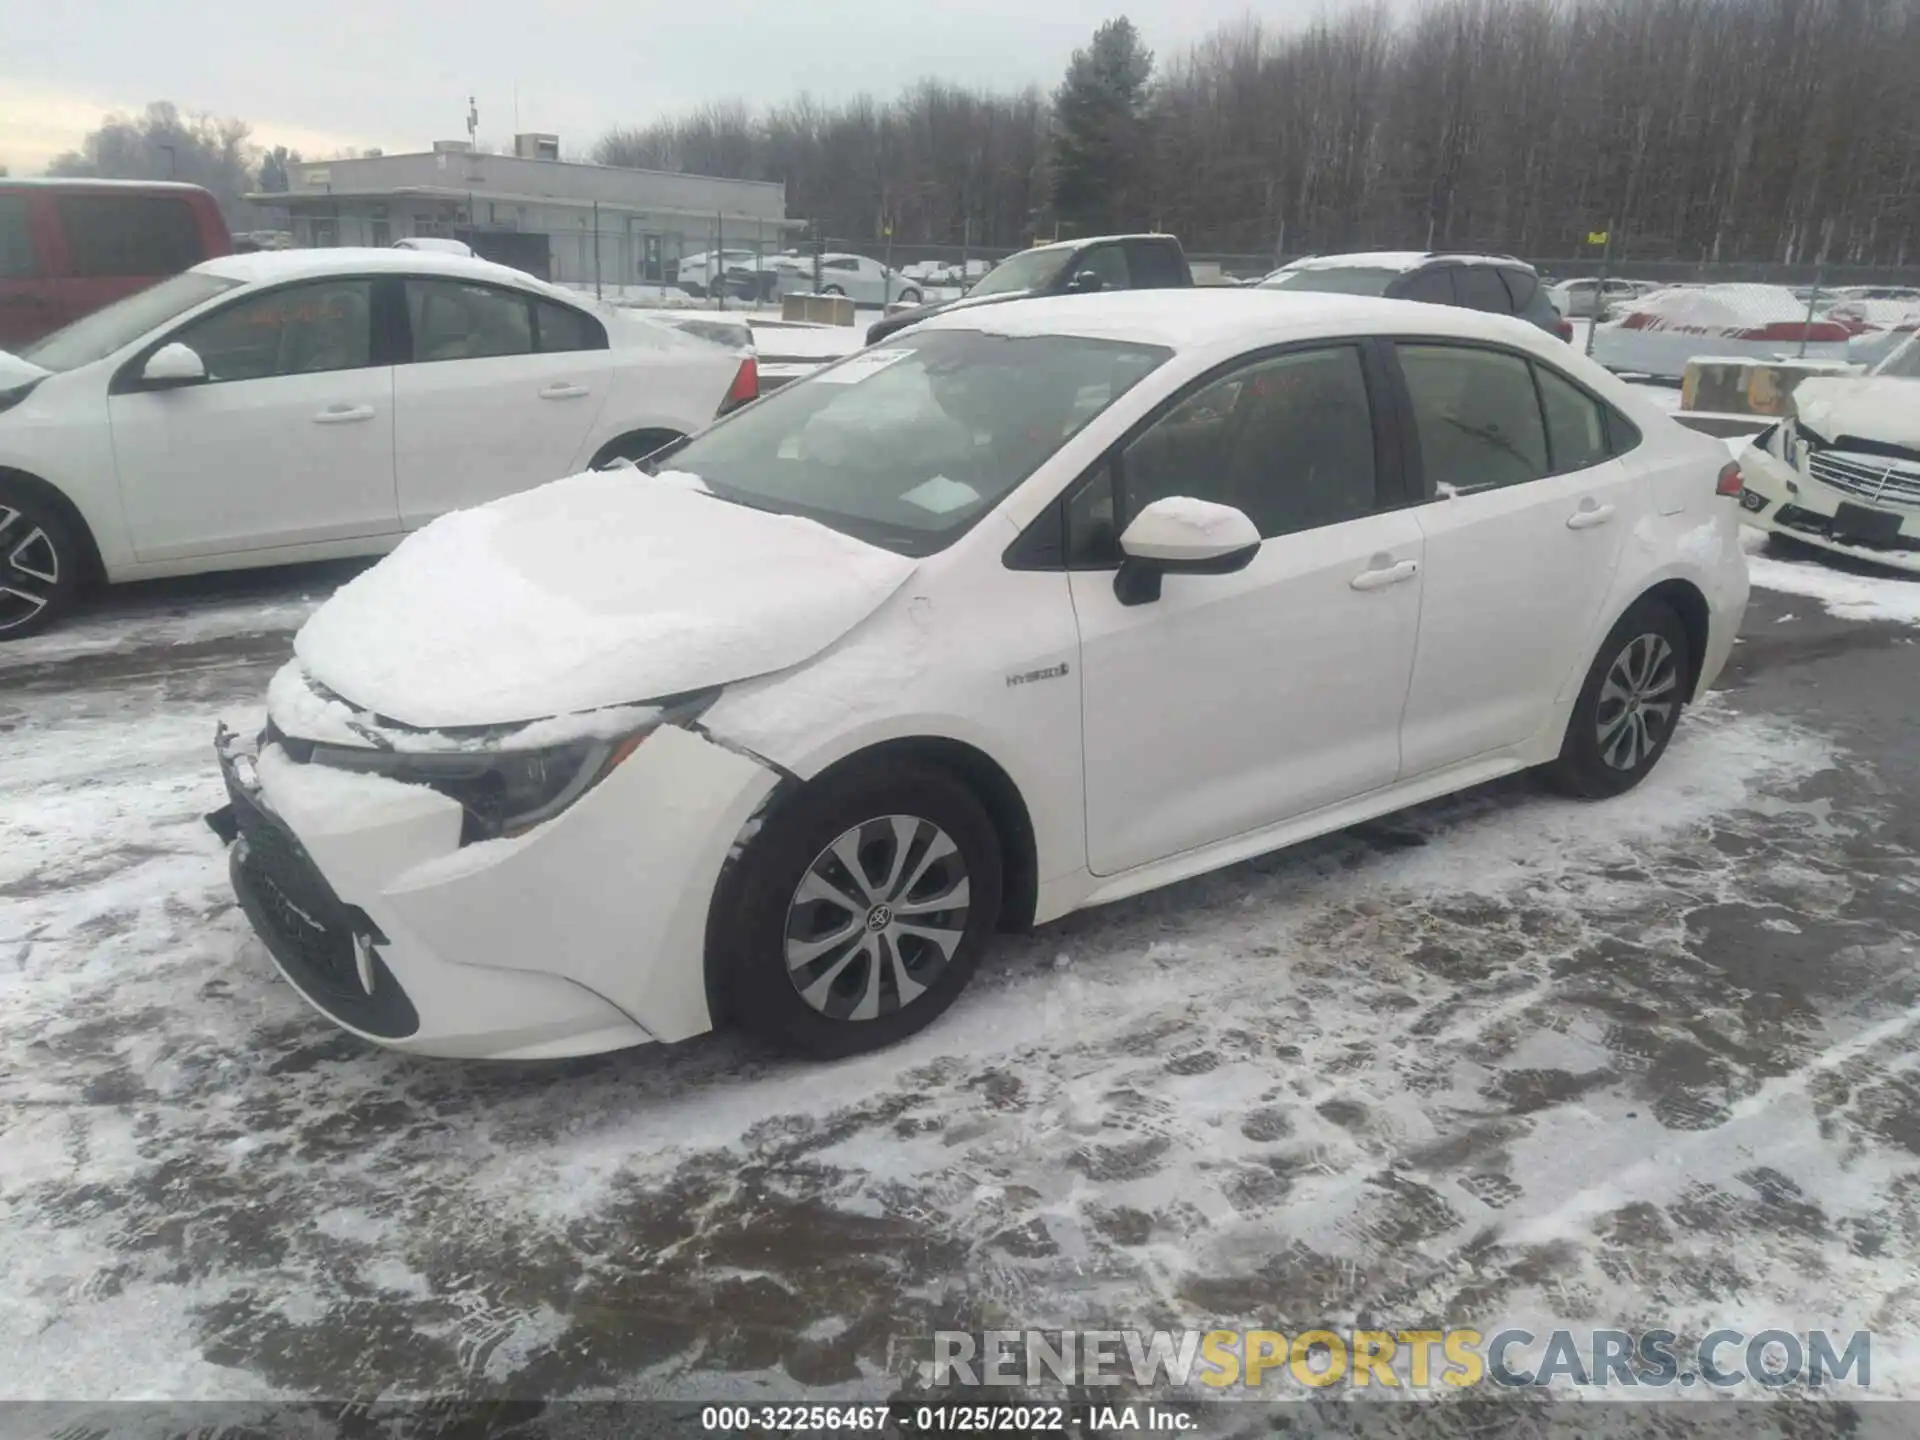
(587, 933)
(1863, 506)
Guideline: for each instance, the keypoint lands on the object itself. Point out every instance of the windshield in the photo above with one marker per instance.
(1034, 270)
(1335, 280)
(96, 336)
(1904, 363)
(908, 444)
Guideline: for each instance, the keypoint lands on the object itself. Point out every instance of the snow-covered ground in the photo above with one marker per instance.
(1507, 1058)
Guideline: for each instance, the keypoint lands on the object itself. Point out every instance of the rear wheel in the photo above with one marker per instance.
(1628, 706)
(859, 912)
(635, 447)
(39, 561)
(831, 290)
(909, 297)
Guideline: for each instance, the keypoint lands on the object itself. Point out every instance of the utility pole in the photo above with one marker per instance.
(596, 249)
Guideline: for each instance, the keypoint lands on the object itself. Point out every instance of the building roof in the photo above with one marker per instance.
(459, 194)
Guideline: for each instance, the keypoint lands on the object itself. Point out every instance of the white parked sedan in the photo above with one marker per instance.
(1033, 607)
(301, 405)
(866, 281)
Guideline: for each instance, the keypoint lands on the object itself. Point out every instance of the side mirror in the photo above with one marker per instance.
(174, 364)
(1181, 536)
(1085, 283)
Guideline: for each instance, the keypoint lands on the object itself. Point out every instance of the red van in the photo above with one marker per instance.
(67, 247)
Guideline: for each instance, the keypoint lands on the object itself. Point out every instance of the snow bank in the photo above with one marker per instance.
(599, 590)
(1847, 597)
(1706, 309)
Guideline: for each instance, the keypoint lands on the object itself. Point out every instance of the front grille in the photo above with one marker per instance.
(305, 916)
(1876, 478)
(309, 929)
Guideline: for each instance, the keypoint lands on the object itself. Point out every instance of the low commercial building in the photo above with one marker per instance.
(553, 218)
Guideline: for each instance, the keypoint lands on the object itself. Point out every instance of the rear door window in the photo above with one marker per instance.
(1476, 417)
(1521, 287)
(1479, 288)
(1155, 266)
(1109, 262)
(451, 320)
(129, 235)
(16, 239)
(1434, 287)
(1576, 424)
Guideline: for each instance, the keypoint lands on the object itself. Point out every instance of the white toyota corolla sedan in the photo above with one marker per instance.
(309, 404)
(1031, 608)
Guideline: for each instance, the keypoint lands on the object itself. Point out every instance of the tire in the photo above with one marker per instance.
(635, 447)
(909, 297)
(790, 900)
(831, 290)
(1613, 743)
(40, 561)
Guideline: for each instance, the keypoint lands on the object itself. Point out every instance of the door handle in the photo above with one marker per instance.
(1589, 515)
(563, 390)
(343, 414)
(1381, 576)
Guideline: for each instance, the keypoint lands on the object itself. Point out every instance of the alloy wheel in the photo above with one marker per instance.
(1637, 702)
(876, 918)
(29, 568)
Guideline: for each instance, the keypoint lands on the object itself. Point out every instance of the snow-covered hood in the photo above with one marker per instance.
(1884, 408)
(15, 371)
(603, 589)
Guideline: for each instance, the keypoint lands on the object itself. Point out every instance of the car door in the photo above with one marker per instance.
(499, 393)
(1524, 530)
(288, 440)
(1237, 701)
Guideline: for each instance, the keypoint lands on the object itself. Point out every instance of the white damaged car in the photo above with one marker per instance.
(1037, 606)
(1842, 472)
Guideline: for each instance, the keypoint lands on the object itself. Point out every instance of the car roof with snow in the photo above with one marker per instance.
(265, 267)
(1081, 242)
(1203, 318)
(1396, 260)
(262, 266)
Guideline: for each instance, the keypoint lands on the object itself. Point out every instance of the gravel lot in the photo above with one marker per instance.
(1504, 1058)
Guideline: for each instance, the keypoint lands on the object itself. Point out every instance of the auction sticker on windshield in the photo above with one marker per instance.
(856, 368)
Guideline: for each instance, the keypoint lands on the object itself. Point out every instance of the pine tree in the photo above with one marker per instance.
(1099, 146)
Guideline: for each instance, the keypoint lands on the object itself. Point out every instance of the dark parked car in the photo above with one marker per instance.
(1066, 267)
(1496, 283)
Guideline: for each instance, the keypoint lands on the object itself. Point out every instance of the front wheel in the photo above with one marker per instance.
(39, 562)
(831, 290)
(1628, 706)
(858, 913)
(909, 297)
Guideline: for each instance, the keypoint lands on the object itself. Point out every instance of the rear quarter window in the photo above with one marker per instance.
(129, 235)
(1478, 288)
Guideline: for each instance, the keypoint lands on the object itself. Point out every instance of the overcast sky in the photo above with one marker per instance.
(397, 73)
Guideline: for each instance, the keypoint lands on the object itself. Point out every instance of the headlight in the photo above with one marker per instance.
(507, 791)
